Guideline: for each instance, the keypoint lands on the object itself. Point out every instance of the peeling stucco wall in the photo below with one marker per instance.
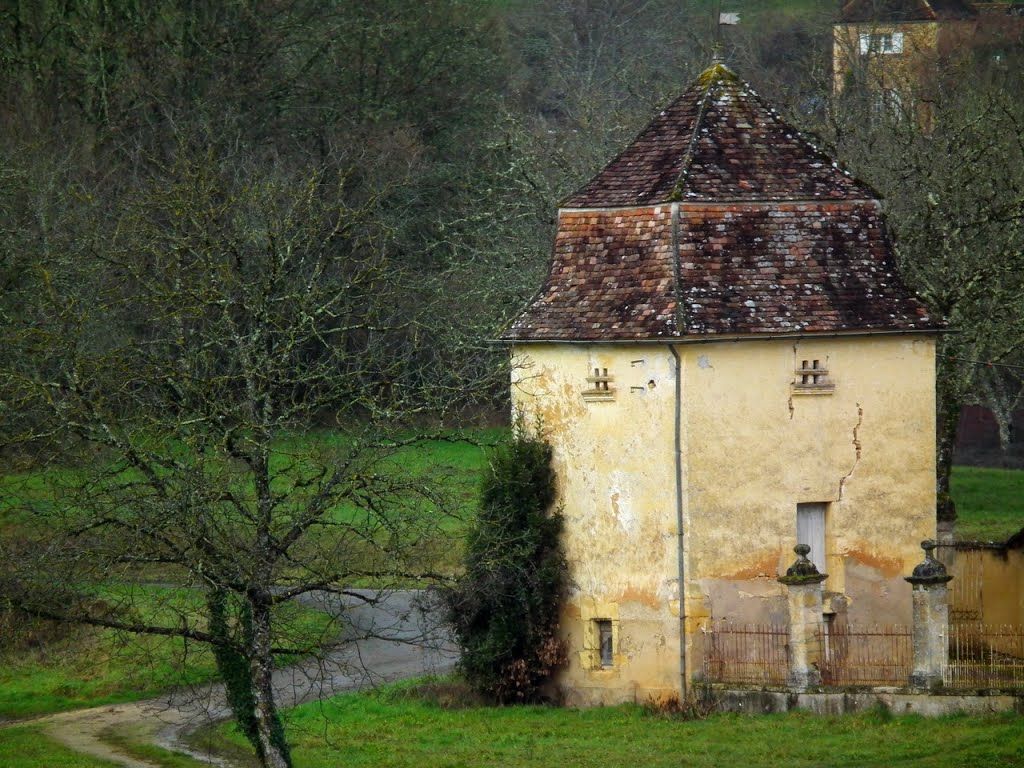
(614, 462)
(751, 450)
(756, 450)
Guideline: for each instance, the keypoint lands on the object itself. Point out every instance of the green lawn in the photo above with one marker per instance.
(989, 502)
(30, 746)
(380, 729)
(74, 667)
(92, 667)
(25, 746)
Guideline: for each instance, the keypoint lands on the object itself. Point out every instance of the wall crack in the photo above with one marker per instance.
(856, 448)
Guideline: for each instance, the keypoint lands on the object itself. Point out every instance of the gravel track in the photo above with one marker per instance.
(388, 636)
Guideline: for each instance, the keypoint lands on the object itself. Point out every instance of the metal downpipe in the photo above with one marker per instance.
(683, 678)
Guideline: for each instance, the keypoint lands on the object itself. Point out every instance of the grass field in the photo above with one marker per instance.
(990, 502)
(91, 667)
(390, 729)
(25, 746)
(74, 667)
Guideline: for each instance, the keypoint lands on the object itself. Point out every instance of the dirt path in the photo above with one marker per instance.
(396, 638)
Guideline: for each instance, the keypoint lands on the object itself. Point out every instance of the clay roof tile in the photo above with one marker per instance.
(768, 235)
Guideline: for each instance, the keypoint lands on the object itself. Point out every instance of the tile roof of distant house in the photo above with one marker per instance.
(861, 11)
(720, 219)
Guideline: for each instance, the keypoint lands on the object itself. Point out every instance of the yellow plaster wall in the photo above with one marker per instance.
(615, 469)
(755, 449)
(751, 451)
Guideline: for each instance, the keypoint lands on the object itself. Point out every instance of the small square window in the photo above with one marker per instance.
(812, 378)
(605, 642)
(600, 386)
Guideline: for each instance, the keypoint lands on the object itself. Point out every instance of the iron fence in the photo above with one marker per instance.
(985, 656)
(981, 656)
(865, 655)
(850, 654)
(745, 653)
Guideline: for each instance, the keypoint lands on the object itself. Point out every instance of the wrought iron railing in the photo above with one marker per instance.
(985, 656)
(981, 657)
(745, 653)
(865, 655)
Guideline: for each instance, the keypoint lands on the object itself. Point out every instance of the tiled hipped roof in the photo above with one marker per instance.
(769, 236)
(805, 268)
(862, 11)
(718, 140)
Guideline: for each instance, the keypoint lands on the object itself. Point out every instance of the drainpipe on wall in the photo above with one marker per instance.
(684, 683)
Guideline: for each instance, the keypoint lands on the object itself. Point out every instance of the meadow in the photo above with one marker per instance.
(990, 502)
(82, 667)
(54, 668)
(399, 727)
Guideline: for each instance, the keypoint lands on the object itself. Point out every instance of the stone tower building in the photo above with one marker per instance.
(725, 362)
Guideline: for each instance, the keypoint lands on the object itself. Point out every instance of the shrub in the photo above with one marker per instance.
(504, 610)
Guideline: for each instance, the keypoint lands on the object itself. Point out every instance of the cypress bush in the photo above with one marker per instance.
(504, 609)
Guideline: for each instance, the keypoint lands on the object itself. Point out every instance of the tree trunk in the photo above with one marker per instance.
(272, 746)
(947, 424)
(1002, 393)
(1004, 425)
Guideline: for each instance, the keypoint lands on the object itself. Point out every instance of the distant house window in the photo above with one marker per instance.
(810, 530)
(812, 378)
(605, 642)
(881, 42)
(600, 386)
(888, 101)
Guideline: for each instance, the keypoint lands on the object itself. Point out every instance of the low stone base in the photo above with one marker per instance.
(923, 681)
(897, 701)
(801, 681)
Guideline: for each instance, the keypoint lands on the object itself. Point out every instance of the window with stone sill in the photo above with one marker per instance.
(812, 379)
(601, 643)
(600, 386)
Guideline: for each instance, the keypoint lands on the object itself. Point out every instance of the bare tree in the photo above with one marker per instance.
(954, 188)
(1001, 389)
(217, 372)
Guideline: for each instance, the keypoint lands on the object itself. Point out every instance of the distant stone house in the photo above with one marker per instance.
(896, 47)
(726, 363)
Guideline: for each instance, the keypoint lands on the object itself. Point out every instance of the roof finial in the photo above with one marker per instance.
(721, 20)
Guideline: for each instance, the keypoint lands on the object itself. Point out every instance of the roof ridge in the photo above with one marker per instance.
(680, 156)
(684, 168)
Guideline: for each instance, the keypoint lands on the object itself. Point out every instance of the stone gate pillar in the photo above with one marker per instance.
(805, 618)
(931, 620)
